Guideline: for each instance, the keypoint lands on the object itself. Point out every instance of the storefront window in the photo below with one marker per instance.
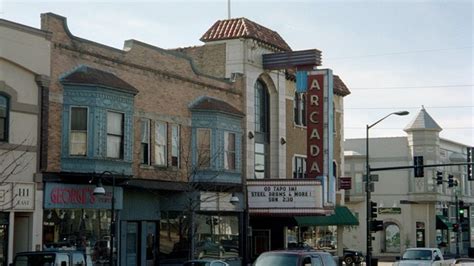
(319, 237)
(83, 229)
(216, 236)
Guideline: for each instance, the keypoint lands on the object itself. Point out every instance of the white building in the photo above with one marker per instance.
(416, 212)
(24, 70)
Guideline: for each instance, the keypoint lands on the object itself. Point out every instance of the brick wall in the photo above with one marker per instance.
(209, 58)
(166, 81)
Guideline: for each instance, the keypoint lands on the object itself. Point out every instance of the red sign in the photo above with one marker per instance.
(345, 183)
(315, 126)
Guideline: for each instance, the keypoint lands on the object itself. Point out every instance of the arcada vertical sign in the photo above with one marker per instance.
(319, 130)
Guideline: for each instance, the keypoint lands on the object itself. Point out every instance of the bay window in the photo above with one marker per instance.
(229, 151)
(203, 148)
(161, 144)
(145, 141)
(78, 131)
(175, 145)
(114, 135)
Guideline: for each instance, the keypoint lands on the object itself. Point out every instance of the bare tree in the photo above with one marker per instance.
(14, 160)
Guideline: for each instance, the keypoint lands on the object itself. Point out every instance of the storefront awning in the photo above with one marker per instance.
(442, 222)
(342, 216)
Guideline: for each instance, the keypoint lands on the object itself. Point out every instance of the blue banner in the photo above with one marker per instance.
(301, 81)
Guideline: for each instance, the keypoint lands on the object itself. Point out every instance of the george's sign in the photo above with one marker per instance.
(75, 196)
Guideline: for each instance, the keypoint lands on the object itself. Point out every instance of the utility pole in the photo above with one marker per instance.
(457, 222)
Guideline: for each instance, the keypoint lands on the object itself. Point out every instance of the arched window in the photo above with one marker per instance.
(4, 110)
(392, 238)
(262, 130)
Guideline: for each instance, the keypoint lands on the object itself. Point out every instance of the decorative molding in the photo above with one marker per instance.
(98, 101)
(95, 165)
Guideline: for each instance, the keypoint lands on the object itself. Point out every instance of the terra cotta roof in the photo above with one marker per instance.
(91, 76)
(339, 87)
(211, 104)
(244, 28)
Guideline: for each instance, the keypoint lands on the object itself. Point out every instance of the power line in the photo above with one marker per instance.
(414, 87)
(399, 53)
(417, 107)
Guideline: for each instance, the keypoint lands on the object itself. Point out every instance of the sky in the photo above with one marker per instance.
(392, 55)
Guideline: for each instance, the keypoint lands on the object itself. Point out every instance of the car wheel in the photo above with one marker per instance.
(348, 260)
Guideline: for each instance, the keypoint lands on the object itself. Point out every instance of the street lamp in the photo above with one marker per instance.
(99, 190)
(368, 183)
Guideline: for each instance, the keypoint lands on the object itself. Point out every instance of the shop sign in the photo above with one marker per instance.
(17, 196)
(24, 196)
(285, 196)
(345, 182)
(74, 196)
(390, 210)
(320, 130)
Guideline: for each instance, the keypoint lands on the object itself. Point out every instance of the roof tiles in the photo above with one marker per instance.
(91, 76)
(244, 28)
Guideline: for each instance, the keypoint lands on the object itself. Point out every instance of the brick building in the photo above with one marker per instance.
(275, 134)
(168, 136)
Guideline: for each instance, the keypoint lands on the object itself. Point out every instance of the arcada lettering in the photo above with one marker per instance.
(315, 136)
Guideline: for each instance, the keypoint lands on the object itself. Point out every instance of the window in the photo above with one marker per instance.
(78, 132)
(161, 158)
(299, 109)
(175, 145)
(3, 118)
(229, 153)
(262, 130)
(299, 167)
(392, 238)
(203, 148)
(145, 142)
(262, 102)
(114, 135)
(260, 161)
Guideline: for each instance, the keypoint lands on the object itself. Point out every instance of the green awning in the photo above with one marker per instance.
(342, 216)
(442, 222)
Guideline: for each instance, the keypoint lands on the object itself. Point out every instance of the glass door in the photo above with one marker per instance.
(132, 244)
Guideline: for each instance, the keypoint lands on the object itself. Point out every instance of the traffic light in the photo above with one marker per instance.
(373, 210)
(439, 177)
(450, 181)
(418, 162)
(376, 225)
(456, 227)
(461, 211)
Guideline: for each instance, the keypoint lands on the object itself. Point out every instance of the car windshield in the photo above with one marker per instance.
(277, 259)
(417, 255)
(34, 259)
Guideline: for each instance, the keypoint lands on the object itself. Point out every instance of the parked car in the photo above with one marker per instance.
(52, 257)
(420, 256)
(352, 256)
(205, 262)
(295, 258)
